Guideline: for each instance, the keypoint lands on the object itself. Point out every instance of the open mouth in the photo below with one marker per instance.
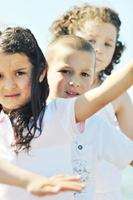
(72, 94)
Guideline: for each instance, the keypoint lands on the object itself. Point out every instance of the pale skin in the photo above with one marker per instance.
(15, 86)
(68, 69)
(102, 36)
(35, 184)
(15, 74)
(114, 86)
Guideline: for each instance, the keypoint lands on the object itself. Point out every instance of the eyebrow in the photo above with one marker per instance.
(69, 67)
(22, 68)
(86, 70)
(94, 35)
(91, 33)
(111, 40)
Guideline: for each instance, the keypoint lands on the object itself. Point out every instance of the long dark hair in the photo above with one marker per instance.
(27, 119)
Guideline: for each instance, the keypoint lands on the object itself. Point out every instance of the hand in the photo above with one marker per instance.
(49, 186)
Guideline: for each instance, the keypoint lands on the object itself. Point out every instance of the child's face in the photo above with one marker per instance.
(15, 80)
(70, 72)
(102, 36)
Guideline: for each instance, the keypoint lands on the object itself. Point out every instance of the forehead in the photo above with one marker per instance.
(64, 54)
(13, 60)
(98, 28)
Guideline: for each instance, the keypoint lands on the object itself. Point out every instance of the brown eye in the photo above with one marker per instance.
(85, 74)
(92, 41)
(20, 73)
(64, 71)
(108, 45)
(1, 76)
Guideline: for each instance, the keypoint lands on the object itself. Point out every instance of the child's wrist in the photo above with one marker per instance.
(26, 180)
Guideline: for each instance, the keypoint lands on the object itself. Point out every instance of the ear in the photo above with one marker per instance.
(42, 75)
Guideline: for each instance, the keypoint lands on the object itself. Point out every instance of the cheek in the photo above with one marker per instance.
(26, 88)
(59, 80)
(60, 84)
(55, 85)
(109, 56)
(86, 87)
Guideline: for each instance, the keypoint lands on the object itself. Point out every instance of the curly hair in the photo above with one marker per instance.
(75, 18)
(25, 120)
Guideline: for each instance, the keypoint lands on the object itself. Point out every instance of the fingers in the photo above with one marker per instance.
(56, 184)
(46, 190)
(72, 183)
(66, 178)
(71, 186)
(61, 187)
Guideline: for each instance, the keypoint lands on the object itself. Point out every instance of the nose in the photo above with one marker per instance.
(98, 48)
(74, 82)
(9, 84)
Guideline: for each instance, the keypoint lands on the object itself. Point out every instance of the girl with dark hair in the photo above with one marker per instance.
(101, 27)
(36, 136)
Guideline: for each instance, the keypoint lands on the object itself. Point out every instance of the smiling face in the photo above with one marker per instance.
(70, 72)
(102, 36)
(15, 80)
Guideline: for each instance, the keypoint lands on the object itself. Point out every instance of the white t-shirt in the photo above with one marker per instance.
(61, 148)
(108, 176)
(99, 140)
(127, 183)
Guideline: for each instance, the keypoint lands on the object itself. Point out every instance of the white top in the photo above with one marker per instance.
(127, 183)
(108, 176)
(58, 145)
(108, 113)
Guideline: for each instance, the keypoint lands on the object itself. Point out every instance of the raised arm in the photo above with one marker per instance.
(35, 184)
(89, 103)
(123, 107)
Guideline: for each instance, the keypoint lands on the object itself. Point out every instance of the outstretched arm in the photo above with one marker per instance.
(93, 100)
(37, 185)
(123, 107)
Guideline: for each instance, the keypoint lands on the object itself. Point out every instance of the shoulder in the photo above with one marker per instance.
(97, 125)
(60, 102)
(108, 113)
(60, 111)
(122, 102)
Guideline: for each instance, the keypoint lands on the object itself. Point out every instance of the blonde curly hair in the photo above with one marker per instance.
(75, 18)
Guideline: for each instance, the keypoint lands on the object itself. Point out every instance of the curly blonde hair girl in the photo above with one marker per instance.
(75, 18)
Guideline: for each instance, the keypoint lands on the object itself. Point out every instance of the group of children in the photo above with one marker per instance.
(48, 108)
(101, 26)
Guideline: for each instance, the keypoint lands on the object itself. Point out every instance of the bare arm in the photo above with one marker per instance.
(89, 103)
(37, 185)
(123, 107)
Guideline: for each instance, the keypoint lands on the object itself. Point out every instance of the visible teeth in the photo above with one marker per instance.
(71, 93)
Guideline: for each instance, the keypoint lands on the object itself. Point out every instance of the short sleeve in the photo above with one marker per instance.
(59, 124)
(115, 146)
(65, 110)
